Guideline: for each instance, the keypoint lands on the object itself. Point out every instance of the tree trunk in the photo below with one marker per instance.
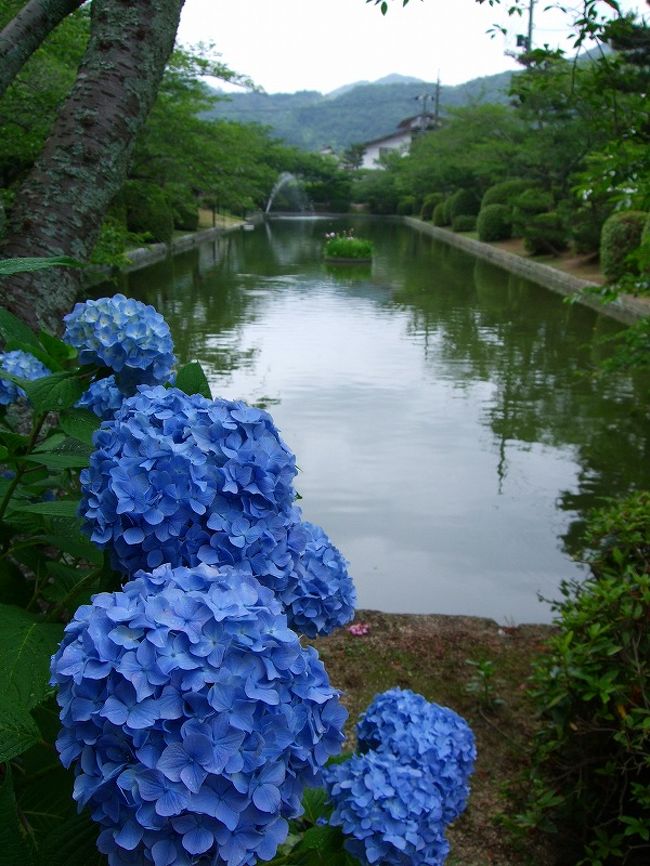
(25, 33)
(61, 205)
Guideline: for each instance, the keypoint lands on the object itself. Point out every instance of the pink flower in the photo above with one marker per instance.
(359, 628)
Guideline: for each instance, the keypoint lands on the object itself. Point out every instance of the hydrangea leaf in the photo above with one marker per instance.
(71, 843)
(192, 380)
(14, 842)
(60, 508)
(79, 424)
(53, 393)
(12, 330)
(8, 267)
(26, 646)
(18, 732)
(314, 802)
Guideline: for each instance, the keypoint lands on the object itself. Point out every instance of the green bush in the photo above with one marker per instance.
(494, 223)
(464, 222)
(429, 203)
(526, 205)
(505, 192)
(545, 233)
(439, 216)
(463, 202)
(185, 209)
(148, 211)
(621, 235)
(345, 246)
(589, 787)
(406, 205)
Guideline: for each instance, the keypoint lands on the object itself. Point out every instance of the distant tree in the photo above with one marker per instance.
(353, 156)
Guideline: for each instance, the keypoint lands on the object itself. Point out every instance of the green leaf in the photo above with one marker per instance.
(57, 349)
(18, 731)
(8, 267)
(60, 459)
(77, 545)
(65, 579)
(53, 393)
(192, 380)
(26, 646)
(79, 424)
(12, 330)
(15, 846)
(14, 589)
(72, 843)
(315, 802)
(60, 508)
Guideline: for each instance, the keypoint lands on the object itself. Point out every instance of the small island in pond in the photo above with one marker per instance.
(344, 248)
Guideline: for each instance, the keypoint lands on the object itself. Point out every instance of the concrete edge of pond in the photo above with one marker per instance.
(142, 257)
(626, 309)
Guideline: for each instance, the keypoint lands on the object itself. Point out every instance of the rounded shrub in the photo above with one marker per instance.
(147, 210)
(505, 192)
(464, 222)
(429, 203)
(545, 233)
(590, 777)
(621, 235)
(439, 215)
(463, 202)
(494, 223)
(406, 205)
(527, 205)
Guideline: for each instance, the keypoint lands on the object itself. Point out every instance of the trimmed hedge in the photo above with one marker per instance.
(406, 205)
(464, 222)
(429, 203)
(463, 202)
(545, 233)
(506, 191)
(621, 235)
(439, 216)
(494, 223)
(148, 211)
(526, 205)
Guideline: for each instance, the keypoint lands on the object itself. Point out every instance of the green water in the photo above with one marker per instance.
(449, 435)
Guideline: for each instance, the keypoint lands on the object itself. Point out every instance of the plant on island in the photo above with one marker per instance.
(346, 247)
(191, 713)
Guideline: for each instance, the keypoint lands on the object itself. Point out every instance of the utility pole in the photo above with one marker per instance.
(436, 112)
(529, 40)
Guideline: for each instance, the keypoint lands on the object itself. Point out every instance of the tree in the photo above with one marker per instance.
(62, 202)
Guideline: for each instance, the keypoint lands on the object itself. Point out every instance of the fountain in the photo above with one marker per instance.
(286, 179)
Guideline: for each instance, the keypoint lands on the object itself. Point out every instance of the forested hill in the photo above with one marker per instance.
(352, 114)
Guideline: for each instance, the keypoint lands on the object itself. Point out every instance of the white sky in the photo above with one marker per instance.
(290, 45)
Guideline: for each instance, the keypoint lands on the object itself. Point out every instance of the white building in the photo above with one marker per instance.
(399, 141)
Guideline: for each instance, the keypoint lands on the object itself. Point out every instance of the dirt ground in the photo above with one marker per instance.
(428, 654)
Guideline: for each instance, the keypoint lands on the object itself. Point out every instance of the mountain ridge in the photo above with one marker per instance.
(359, 112)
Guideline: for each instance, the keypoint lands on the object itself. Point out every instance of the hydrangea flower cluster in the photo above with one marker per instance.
(103, 398)
(193, 717)
(23, 365)
(185, 480)
(324, 598)
(422, 735)
(390, 812)
(395, 799)
(130, 337)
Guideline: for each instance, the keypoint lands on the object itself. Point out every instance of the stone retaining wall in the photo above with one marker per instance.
(626, 309)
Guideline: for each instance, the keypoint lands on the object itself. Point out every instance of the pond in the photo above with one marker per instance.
(449, 434)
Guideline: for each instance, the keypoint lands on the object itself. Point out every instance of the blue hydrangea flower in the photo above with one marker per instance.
(422, 735)
(324, 597)
(186, 480)
(126, 335)
(103, 397)
(193, 717)
(390, 812)
(23, 365)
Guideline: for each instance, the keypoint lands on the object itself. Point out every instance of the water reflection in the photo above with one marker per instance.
(449, 435)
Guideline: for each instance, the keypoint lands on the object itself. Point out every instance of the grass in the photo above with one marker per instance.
(428, 654)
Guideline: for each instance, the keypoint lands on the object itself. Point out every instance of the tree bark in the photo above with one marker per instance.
(25, 33)
(61, 205)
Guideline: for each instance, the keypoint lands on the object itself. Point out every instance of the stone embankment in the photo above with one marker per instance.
(627, 308)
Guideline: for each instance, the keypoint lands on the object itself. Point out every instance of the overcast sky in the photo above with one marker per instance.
(289, 45)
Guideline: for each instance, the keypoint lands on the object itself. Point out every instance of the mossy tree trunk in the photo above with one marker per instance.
(25, 33)
(61, 205)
